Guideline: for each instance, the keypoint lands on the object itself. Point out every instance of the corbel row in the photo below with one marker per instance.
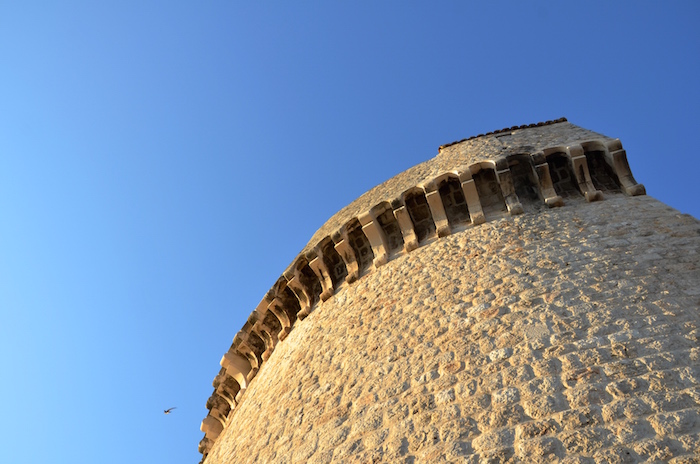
(419, 215)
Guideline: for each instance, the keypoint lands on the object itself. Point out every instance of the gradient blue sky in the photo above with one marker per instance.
(161, 163)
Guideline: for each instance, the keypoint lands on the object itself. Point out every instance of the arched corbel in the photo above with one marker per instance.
(549, 195)
(437, 209)
(455, 205)
(418, 209)
(600, 166)
(228, 397)
(231, 400)
(344, 249)
(284, 304)
(386, 221)
(269, 337)
(226, 387)
(267, 328)
(318, 265)
(583, 176)
(617, 156)
(488, 187)
(410, 240)
(238, 367)
(294, 282)
(333, 262)
(253, 358)
(276, 307)
(205, 446)
(265, 312)
(360, 244)
(471, 196)
(377, 239)
(211, 427)
(249, 344)
(218, 408)
(505, 179)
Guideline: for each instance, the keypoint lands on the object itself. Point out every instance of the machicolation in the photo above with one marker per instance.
(517, 298)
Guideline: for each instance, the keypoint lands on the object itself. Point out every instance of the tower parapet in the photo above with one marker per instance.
(513, 171)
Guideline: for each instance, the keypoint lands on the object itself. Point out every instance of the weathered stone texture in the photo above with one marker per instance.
(563, 335)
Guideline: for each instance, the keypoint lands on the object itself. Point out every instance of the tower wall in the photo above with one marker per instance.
(547, 313)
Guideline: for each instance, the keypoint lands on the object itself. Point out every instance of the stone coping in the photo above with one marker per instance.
(506, 130)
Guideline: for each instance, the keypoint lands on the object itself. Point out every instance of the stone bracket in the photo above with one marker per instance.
(583, 176)
(204, 446)
(377, 238)
(318, 265)
(238, 367)
(270, 338)
(549, 195)
(211, 427)
(222, 387)
(471, 195)
(618, 159)
(505, 178)
(228, 396)
(410, 241)
(262, 310)
(295, 285)
(342, 246)
(277, 309)
(218, 408)
(241, 343)
(437, 209)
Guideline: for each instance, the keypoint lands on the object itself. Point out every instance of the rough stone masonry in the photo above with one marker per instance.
(518, 298)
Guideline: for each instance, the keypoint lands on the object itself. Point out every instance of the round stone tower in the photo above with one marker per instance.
(517, 298)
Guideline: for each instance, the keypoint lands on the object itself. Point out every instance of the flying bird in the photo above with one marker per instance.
(167, 411)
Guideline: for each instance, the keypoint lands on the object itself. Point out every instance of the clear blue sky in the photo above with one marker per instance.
(161, 163)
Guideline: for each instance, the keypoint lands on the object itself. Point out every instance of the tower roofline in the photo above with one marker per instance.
(506, 129)
(493, 147)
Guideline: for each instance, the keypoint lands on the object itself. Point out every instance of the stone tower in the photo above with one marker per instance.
(517, 298)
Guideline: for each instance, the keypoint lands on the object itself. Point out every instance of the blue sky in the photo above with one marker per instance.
(161, 163)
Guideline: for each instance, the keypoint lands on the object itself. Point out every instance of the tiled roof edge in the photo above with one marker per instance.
(507, 129)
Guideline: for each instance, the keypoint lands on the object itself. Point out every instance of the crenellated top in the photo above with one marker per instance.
(508, 172)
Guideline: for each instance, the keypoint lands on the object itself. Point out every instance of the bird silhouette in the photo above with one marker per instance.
(167, 411)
